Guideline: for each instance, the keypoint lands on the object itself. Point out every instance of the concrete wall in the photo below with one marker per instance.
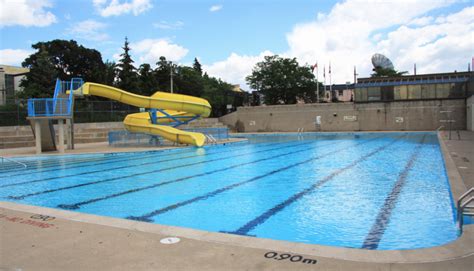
(470, 113)
(394, 116)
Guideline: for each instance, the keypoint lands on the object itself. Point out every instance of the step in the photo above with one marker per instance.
(17, 138)
(89, 140)
(8, 145)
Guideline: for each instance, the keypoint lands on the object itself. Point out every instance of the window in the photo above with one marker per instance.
(428, 91)
(414, 92)
(442, 91)
(400, 92)
(361, 94)
(373, 94)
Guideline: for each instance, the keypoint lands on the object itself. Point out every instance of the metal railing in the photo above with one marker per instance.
(465, 206)
(49, 107)
(210, 139)
(13, 161)
(59, 105)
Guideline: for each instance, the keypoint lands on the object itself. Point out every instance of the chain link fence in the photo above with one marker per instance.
(15, 112)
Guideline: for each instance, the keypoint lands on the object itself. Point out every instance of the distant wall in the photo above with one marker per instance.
(470, 113)
(391, 116)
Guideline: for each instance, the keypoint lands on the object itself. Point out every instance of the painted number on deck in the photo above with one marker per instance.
(289, 257)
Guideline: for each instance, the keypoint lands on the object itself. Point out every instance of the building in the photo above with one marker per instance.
(342, 92)
(10, 79)
(438, 86)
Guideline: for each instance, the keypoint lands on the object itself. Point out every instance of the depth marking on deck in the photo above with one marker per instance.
(245, 229)
(142, 173)
(147, 216)
(383, 218)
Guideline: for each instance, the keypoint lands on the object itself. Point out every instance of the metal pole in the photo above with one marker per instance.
(317, 84)
(171, 76)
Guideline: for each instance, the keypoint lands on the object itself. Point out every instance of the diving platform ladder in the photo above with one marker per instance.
(465, 206)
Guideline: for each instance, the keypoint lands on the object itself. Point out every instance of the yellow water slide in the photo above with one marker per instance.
(179, 106)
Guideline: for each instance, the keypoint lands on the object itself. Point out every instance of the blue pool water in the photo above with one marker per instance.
(365, 190)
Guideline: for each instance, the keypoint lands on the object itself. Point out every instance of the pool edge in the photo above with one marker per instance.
(456, 250)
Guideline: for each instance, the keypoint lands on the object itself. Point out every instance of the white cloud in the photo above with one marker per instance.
(421, 21)
(440, 47)
(354, 30)
(168, 25)
(215, 8)
(26, 13)
(235, 68)
(14, 57)
(150, 51)
(89, 30)
(108, 8)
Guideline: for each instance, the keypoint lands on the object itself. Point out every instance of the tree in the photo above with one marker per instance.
(217, 92)
(40, 81)
(110, 73)
(283, 81)
(197, 67)
(162, 74)
(188, 81)
(147, 83)
(59, 59)
(70, 60)
(382, 72)
(127, 76)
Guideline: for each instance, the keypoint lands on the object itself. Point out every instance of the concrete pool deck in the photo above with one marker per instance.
(38, 238)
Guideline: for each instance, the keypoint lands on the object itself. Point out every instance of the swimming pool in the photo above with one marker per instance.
(361, 190)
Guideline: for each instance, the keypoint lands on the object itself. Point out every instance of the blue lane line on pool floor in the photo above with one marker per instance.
(120, 167)
(142, 173)
(158, 154)
(51, 163)
(245, 229)
(117, 157)
(147, 217)
(383, 218)
(83, 163)
(78, 204)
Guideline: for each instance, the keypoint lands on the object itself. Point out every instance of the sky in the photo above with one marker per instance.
(229, 37)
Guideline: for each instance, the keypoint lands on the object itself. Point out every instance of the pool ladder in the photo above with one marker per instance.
(211, 139)
(11, 160)
(465, 206)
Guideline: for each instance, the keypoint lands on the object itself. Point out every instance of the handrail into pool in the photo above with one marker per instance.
(11, 160)
(211, 139)
(465, 207)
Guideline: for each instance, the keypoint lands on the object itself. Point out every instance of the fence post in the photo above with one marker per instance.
(17, 114)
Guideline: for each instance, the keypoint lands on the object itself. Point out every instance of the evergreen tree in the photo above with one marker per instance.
(127, 76)
(197, 67)
(386, 72)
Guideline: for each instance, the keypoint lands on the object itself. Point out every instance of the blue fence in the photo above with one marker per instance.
(127, 139)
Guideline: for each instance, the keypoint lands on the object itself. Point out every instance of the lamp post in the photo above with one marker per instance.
(171, 76)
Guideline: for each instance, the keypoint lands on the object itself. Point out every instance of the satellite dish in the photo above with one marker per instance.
(381, 61)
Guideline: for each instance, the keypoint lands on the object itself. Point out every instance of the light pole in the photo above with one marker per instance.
(171, 76)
